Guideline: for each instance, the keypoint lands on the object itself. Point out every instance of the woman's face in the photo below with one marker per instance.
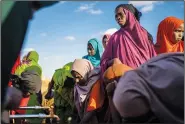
(105, 41)
(78, 78)
(120, 17)
(90, 49)
(178, 34)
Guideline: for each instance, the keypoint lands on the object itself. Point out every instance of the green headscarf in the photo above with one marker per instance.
(33, 56)
(32, 64)
(61, 75)
(63, 96)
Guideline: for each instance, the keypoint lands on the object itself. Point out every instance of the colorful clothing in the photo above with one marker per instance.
(164, 36)
(31, 64)
(63, 96)
(17, 63)
(60, 76)
(116, 70)
(33, 101)
(111, 76)
(90, 96)
(130, 44)
(157, 86)
(98, 48)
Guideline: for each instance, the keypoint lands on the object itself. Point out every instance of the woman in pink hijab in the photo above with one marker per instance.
(131, 44)
(105, 40)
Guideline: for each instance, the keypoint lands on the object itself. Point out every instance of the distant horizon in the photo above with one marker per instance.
(60, 33)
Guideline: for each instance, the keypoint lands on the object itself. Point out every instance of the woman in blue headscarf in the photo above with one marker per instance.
(95, 50)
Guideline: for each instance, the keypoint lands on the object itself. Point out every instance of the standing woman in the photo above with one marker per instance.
(95, 50)
(131, 44)
(63, 85)
(170, 35)
(31, 64)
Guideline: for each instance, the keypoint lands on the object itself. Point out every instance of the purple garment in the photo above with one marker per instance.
(159, 83)
(91, 74)
(130, 44)
(94, 76)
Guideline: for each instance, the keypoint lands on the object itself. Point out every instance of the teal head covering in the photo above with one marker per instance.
(98, 48)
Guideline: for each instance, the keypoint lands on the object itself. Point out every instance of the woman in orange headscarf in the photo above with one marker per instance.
(170, 35)
(111, 77)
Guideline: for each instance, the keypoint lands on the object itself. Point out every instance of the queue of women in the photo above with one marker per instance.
(130, 80)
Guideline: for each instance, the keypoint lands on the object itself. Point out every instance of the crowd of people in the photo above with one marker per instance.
(126, 78)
